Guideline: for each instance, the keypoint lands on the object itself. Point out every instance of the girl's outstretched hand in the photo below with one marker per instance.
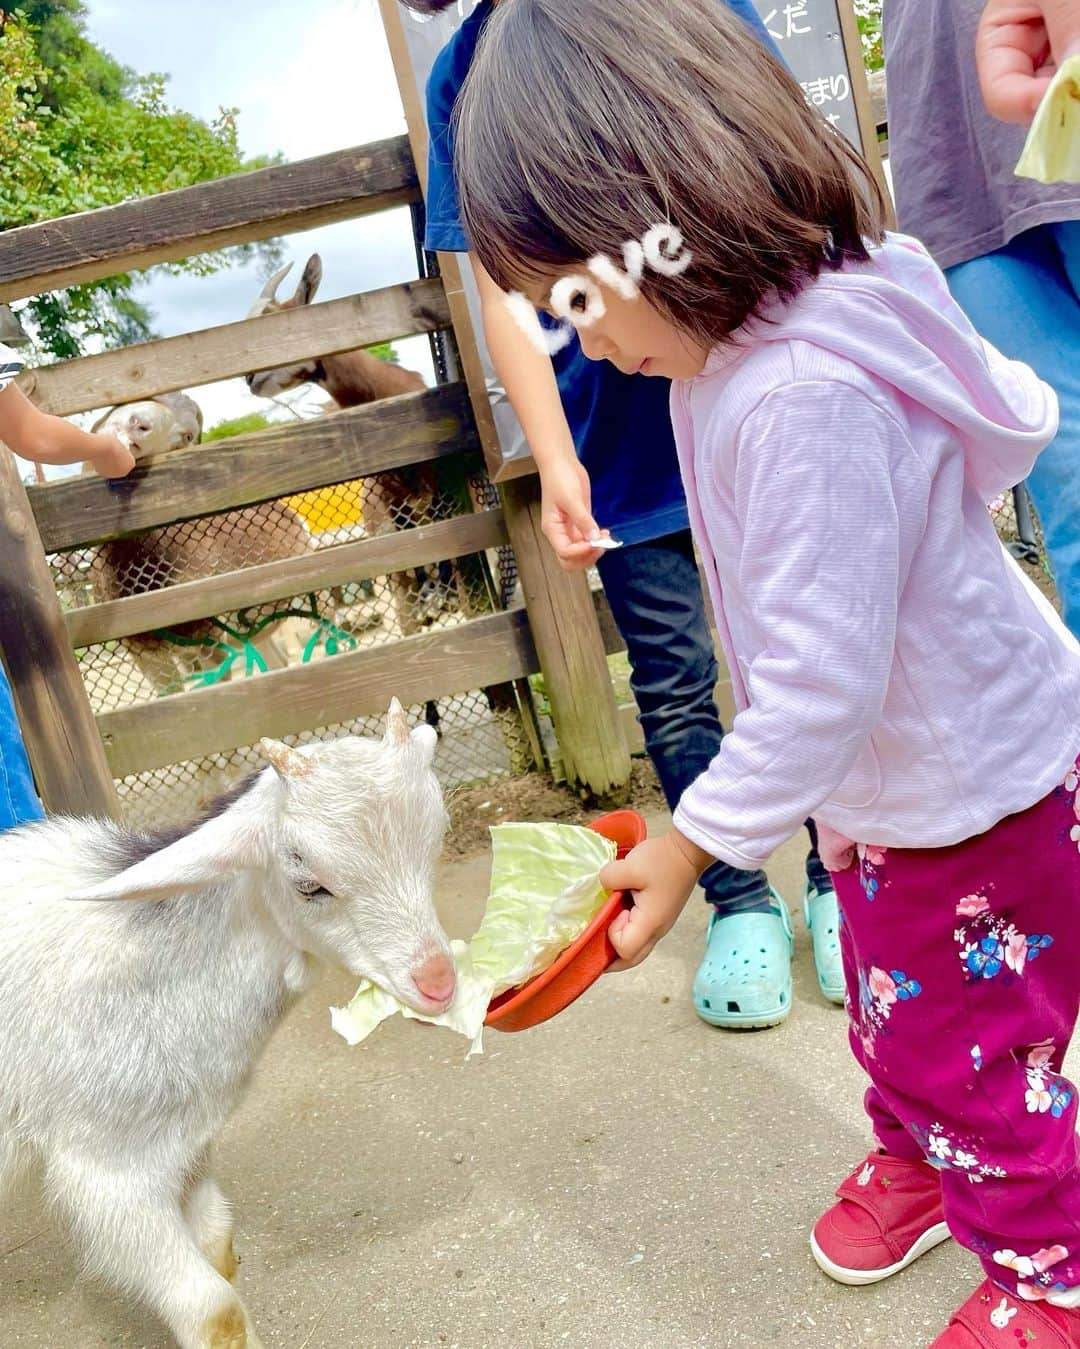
(662, 873)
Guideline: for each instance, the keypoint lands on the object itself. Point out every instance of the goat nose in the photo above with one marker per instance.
(436, 979)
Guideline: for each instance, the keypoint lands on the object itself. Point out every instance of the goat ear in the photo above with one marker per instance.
(426, 738)
(204, 857)
(285, 761)
(309, 281)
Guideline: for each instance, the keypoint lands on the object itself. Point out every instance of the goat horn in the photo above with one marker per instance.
(270, 288)
(286, 762)
(397, 724)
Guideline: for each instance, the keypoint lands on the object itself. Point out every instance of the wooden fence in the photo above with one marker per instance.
(75, 755)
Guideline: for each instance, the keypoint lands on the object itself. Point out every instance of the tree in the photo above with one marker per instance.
(78, 131)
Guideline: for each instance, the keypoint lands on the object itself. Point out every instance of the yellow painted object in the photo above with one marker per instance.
(328, 508)
(1052, 151)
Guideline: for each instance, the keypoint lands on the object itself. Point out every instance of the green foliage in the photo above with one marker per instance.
(540, 695)
(238, 426)
(868, 16)
(78, 131)
(21, 77)
(385, 352)
(61, 319)
(65, 52)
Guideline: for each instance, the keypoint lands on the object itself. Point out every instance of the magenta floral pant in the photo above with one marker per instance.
(963, 986)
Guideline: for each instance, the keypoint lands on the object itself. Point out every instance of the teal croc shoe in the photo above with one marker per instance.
(744, 979)
(823, 919)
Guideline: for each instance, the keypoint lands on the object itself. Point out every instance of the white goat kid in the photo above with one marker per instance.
(171, 421)
(128, 1031)
(190, 550)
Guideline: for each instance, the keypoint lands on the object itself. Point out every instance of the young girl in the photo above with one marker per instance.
(603, 445)
(48, 440)
(840, 428)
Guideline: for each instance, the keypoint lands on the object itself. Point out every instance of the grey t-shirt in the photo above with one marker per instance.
(952, 163)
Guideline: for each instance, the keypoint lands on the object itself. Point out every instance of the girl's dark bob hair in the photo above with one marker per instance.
(583, 123)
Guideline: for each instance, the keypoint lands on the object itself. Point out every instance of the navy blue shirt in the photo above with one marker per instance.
(621, 424)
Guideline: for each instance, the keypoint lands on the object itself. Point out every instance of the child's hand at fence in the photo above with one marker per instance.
(662, 873)
(110, 457)
(566, 514)
(46, 439)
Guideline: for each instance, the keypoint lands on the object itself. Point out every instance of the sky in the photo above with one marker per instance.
(307, 79)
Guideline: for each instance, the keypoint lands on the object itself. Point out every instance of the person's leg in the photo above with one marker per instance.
(889, 1132)
(822, 914)
(1022, 300)
(817, 873)
(744, 980)
(888, 1211)
(18, 799)
(657, 603)
(966, 997)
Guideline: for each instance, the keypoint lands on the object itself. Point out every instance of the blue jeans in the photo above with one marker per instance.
(655, 595)
(1025, 299)
(18, 800)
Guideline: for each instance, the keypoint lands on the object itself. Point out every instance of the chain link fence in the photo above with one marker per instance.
(481, 735)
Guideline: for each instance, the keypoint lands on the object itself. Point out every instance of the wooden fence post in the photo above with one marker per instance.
(58, 727)
(562, 616)
(566, 632)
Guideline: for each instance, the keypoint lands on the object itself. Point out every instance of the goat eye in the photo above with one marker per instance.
(307, 886)
(311, 889)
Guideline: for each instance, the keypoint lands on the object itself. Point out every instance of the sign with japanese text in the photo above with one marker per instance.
(810, 36)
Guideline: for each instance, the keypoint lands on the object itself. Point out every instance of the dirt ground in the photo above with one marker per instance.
(622, 1177)
(473, 810)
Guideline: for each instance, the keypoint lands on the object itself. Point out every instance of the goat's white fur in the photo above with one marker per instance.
(128, 1030)
(171, 421)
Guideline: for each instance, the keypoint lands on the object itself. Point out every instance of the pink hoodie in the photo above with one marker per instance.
(897, 677)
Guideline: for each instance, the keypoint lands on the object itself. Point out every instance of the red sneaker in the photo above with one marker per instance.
(889, 1214)
(994, 1319)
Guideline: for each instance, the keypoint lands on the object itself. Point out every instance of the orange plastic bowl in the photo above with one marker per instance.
(581, 964)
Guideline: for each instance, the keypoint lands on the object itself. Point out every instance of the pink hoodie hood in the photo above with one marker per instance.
(895, 317)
